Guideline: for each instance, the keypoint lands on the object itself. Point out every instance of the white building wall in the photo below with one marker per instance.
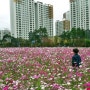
(89, 13)
(39, 15)
(13, 18)
(27, 18)
(51, 27)
(73, 14)
(67, 16)
(46, 20)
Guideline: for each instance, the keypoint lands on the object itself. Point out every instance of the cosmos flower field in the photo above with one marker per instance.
(43, 69)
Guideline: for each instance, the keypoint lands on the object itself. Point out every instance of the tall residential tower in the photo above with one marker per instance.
(66, 21)
(44, 17)
(22, 18)
(80, 14)
(28, 15)
(59, 27)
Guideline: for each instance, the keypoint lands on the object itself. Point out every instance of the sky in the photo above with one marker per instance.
(60, 7)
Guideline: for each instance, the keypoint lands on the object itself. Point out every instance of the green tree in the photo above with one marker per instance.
(75, 37)
(9, 41)
(36, 37)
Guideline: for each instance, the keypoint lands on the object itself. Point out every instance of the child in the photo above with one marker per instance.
(76, 59)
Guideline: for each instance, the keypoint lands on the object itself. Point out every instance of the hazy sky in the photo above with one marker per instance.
(60, 6)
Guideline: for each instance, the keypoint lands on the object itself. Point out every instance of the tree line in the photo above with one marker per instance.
(39, 38)
(76, 37)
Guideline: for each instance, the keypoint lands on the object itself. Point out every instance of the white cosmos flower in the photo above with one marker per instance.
(70, 69)
(43, 87)
(74, 75)
(80, 66)
(79, 85)
(74, 79)
(32, 88)
(58, 74)
(68, 83)
(47, 69)
(79, 78)
(63, 77)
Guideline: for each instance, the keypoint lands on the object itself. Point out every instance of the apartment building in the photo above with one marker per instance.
(22, 18)
(28, 15)
(80, 14)
(39, 15)
(66, 25)
(59, 27)
(66, 21)
(66, 15)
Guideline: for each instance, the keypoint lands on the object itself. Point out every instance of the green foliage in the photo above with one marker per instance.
(36, 37)
(59, 80)
(39, 38)
(76, 37)
(87, 42)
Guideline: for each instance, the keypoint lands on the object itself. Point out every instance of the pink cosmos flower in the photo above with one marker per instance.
(79, 74)
(64, 69)
(24, 77)
(1, 72)
(89, 70)
(56, 86)
(36, 76)
(42, 72)
(9, 80)
(9, 60)
(15, 87)
(70, 75)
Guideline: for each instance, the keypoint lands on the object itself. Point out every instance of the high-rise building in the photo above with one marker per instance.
(66, 15)
(66, 21)
(44, 17)
(59, 27)
(80, 14)
(48, 18)
(27, 15)
(66, 25)
(39, 15)
(22, 18)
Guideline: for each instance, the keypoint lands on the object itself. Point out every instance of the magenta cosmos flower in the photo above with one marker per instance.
(88, 89)
(87, 84)
(6, 88)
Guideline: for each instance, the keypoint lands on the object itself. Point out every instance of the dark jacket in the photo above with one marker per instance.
(76, 59)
